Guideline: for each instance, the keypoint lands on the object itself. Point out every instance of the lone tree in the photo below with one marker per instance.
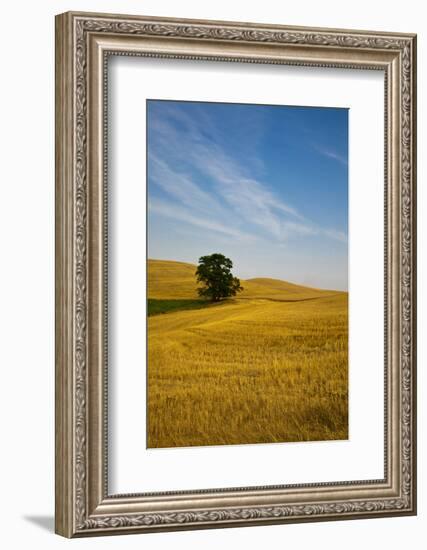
(214, 271)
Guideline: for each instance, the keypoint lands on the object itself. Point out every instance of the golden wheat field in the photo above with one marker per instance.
(270, 365)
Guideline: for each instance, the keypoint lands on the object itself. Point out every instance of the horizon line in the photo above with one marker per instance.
(251, 278)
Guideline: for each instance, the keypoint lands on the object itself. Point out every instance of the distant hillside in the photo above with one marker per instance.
(275, 289)
(173, 280)
(176, 280)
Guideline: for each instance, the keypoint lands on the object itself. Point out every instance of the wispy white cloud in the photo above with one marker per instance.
(331, 154)
(179, 185)
(182, 214)
(336, 235)
(234, 203)
(236, 186)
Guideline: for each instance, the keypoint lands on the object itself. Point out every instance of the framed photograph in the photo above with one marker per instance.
(235, 274)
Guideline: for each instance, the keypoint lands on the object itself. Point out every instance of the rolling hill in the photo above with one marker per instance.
(177, 281)
(270, 365)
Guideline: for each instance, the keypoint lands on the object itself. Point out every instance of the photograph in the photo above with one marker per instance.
(235, 271)
(247, 273)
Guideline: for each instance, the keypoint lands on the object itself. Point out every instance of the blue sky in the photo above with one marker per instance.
(265, 185)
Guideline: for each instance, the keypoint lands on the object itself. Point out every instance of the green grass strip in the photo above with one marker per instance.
(156, 307)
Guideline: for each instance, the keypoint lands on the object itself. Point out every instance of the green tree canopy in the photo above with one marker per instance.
(214, 272)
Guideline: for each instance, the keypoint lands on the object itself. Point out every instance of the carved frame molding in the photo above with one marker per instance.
(83, 42)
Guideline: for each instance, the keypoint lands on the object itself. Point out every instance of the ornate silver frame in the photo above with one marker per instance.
(83, 42)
